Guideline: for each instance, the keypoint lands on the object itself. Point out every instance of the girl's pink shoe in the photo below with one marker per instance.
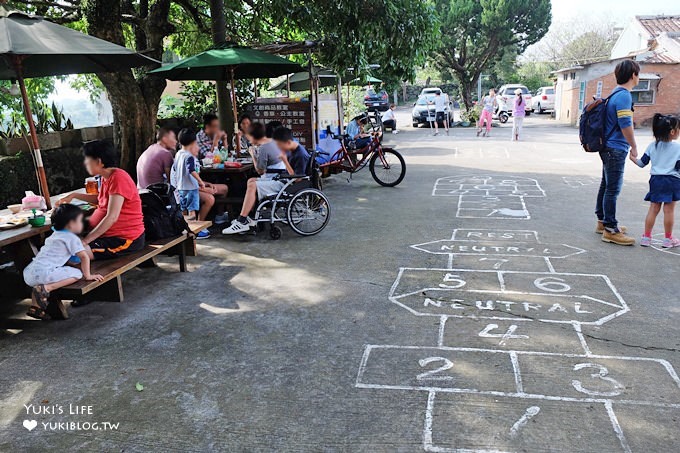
(645, 241)
(669, 243)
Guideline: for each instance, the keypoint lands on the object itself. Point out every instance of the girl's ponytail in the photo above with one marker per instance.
(663, 125)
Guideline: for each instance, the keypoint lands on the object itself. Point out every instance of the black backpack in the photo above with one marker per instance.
(162, 215)
(592, 125)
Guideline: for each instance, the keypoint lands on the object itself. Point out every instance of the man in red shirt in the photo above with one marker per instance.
(117, 223)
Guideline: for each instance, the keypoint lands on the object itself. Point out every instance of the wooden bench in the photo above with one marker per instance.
(111, 288)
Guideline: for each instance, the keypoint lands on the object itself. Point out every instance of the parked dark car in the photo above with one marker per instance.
(379, 101)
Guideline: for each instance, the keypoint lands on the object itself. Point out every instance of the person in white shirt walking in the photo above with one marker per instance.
(439, 103)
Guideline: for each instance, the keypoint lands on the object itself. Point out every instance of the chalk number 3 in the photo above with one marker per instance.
(601, 375)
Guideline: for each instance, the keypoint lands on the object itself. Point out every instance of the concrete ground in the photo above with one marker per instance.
(522, 331)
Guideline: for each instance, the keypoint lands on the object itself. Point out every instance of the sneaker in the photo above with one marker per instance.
(237, 227)
(203, 234)
(617, 237)
(645, 241)
(484, 134)
(479, 131)
(221, 218)
(600, 228)
(669, 243)
(435, 134)
(395, 131)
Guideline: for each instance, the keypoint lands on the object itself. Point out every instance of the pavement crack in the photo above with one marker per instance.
(646, 348)
(365, 282)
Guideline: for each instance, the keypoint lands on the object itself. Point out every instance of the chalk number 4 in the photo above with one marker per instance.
(601, 375)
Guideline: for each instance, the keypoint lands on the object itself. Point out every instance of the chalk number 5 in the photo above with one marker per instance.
(601, 375)
(452, 281)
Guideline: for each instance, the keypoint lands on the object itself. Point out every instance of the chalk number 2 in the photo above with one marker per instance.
(601, 375)
(432, 375)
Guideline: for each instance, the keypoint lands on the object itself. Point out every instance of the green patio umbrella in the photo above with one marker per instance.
(34, 47)
(229, 62)
(361, 81)
(300, 80)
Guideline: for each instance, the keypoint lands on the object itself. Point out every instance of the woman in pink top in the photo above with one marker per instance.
(518, 114)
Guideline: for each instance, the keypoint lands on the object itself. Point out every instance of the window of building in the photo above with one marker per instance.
(572, 76)
(644, 92)
(565, 76)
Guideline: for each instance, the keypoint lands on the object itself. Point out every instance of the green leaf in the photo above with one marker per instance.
(139, 387)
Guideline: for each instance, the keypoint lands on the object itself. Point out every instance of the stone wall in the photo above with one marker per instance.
(62, 158)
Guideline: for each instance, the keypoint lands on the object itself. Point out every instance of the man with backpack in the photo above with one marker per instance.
(619, 138)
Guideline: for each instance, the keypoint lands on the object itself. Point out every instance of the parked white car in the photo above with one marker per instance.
(543, 100)
(506, 94)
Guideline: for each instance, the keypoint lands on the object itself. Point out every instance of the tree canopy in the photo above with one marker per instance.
(475, 33)
(394, 34)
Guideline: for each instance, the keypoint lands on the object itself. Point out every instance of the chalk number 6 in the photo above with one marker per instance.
(602, 375)
(552, 285)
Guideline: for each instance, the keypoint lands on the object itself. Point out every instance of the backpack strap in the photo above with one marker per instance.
(605, 137)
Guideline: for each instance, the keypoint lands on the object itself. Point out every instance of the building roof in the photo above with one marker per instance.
(664, 49)
(655, 25)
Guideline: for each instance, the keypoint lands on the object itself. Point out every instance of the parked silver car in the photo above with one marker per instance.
(543, 100)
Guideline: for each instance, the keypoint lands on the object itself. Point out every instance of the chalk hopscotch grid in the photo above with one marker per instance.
(514, 355)
(478, 194)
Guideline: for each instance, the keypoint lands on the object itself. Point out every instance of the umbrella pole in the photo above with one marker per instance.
(42, 176)
(233, 104)
(341, 114)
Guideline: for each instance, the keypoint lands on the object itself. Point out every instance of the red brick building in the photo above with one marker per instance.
(654, 42)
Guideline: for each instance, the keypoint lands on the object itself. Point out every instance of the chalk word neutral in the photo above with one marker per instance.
(491, 294)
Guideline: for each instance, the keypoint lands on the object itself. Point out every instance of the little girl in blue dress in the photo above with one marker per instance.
(664, 184)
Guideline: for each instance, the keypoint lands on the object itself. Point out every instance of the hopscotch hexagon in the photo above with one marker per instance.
(489, 196)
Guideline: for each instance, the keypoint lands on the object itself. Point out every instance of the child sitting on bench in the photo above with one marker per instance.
(49, 270)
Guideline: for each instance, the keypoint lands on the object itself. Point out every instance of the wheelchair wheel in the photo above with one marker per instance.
(275, 232)
(309, 211)
(389, 170)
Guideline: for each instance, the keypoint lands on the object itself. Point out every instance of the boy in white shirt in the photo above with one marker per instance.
(439, 102)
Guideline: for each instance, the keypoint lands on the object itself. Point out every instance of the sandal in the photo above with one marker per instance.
(40, 296)
(38, 313)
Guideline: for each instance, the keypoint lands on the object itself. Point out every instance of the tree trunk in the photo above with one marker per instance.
(134, 101)
(466, 88)
(218, 27)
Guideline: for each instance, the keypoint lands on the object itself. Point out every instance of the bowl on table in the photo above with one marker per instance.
(14, 208)
(37, 221)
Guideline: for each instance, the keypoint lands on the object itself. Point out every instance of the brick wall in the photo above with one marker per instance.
(667, 98)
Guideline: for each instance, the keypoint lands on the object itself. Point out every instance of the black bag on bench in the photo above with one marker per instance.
(162, 215)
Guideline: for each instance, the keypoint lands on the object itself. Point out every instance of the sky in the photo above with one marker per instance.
(619, 10)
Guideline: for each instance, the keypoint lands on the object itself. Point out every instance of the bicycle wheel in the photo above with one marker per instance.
(309, 211)
(388, 170)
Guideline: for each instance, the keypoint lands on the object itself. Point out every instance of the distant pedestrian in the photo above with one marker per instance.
(664, 184)
(439, 103)
(389, 120)
(518, 114)
(489, 104)
(620, 137)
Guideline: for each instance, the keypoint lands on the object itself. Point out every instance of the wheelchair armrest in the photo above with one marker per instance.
(282, 176)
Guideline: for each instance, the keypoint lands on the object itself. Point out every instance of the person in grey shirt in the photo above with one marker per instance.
(266, 155)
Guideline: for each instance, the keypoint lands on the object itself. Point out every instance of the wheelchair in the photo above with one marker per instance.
(300, 204)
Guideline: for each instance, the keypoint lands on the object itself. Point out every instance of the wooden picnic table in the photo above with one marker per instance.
(19, 242)
(236, 178)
